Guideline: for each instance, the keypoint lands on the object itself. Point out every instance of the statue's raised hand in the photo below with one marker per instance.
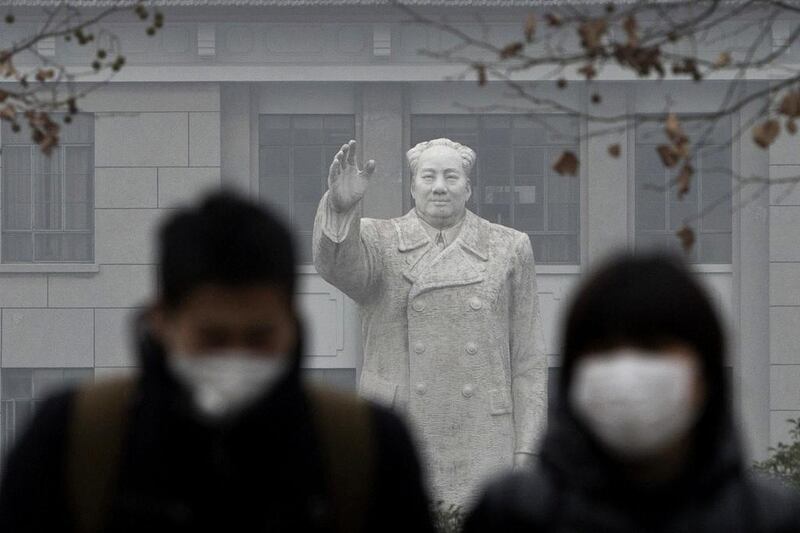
(346, 181)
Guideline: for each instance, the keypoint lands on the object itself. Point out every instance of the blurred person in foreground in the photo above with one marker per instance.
(217, 432)
(643, 437)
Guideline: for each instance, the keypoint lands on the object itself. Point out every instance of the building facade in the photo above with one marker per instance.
(259, 96)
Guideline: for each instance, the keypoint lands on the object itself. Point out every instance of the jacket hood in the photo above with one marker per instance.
(571, 453)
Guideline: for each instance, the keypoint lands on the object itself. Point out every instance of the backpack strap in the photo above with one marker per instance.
(96, 432)
(345, 431)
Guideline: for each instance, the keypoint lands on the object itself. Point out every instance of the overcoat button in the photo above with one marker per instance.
(421, 389)
(419, 347)
(418, 305)
(475, 303)
(472, 348)
(468, 391)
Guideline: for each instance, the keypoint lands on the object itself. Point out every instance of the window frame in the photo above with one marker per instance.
(698, 266)
(302, 264)
(8, 406)
(61, 150)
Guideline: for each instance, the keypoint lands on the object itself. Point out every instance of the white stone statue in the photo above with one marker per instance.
(451, 324)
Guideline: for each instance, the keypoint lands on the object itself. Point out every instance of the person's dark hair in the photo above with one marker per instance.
(646, 301)
(227, 240)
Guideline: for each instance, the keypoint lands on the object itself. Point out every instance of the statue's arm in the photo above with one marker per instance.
(343, 252)
(528, 355)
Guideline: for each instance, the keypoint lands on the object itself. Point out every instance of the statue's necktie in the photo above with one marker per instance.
(440, 240)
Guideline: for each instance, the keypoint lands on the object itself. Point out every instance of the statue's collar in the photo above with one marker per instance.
(472, 236)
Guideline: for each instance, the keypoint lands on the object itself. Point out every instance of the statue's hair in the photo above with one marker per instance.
(467, 154)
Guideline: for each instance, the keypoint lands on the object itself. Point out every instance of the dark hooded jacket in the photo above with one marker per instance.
(261, 472)
(577, 487)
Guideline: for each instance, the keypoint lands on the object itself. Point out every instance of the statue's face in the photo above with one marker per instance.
(440, 187)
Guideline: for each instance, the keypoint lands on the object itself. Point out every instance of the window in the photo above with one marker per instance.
(295, 153)
(22, 391)
(513, 182)
(659, 212)
(337, 378)
(48, 201)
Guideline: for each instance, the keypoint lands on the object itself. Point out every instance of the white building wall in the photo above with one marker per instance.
(784, 290)
(156, 147)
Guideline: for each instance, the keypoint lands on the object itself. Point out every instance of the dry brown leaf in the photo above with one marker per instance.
(591, 33)
(765, 133)
(511, 50)
(681, 150)
(553, 20)
(723, 60)
(7, 69)
(43, 75)
(8, 113)
(596, 98)
(567, 164)
(588, 71)
(668, 155)
(791, 126)
(686, 236)
(561, 83)
(672, 127)
(684, 180)
(530, 27)
(790, 104)
(614, 150)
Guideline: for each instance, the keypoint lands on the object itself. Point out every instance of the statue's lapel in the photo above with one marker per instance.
(461, 263)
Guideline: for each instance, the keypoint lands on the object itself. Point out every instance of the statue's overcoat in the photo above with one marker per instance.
(453, 338)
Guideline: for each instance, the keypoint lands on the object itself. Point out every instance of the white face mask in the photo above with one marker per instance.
(636, 403)
(224, 383)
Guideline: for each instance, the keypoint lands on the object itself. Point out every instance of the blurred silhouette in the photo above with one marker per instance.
(642, 438)
(216, 432)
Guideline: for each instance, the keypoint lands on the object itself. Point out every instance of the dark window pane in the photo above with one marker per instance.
(307, 130)
(274, 130)
(530, 206)
(307, 161)
(274, 161)
(717, 198)
(17, 159)
(78, 216)
(339, 378)
(79, 131)
(17, 384)
(304, 215)
(304, 248)
(528, 131)
(561, 129)
(529, 161)
(17, 216)
(54, 247)
(295, 153)
(657, 206)
(715, 248)
(17, 247)
(496, 161)
(461, 122)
